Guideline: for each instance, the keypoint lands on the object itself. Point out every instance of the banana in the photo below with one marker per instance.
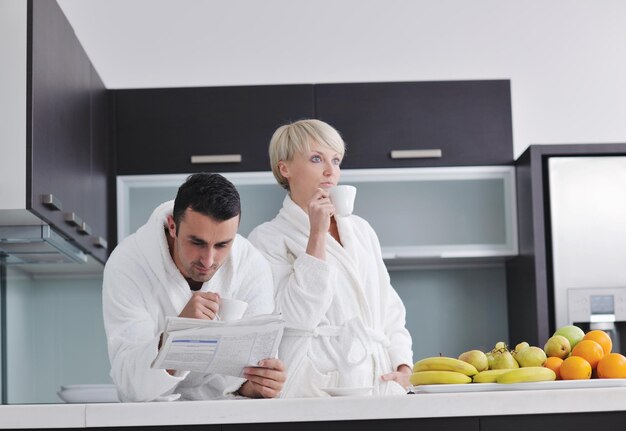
(527, 374)
(438, 377)
(442, 363)
(489, 376)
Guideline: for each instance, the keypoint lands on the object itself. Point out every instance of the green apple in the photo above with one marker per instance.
(477, 358)
(573, 334)
(558, 346)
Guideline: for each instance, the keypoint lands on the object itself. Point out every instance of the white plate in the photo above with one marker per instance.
(557, 384)
(88, 394)
(347, 392)
(90, 387)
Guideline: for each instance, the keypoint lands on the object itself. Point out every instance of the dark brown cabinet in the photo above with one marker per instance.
(160, 130)
(68, 137)
(414, 124)
(469, 122)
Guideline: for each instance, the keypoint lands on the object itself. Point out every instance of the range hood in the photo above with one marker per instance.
(38, 244)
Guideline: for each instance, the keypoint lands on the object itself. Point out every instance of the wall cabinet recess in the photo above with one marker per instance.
(421, 215)
(402, 124)
(219, 129)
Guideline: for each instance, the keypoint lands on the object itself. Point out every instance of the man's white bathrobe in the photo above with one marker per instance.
(142, 286)
(345, 324)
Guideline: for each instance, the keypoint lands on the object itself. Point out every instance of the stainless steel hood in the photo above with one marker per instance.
(38, 244)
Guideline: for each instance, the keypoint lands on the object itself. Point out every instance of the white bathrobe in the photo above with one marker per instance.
(142, 286)
(345, 324)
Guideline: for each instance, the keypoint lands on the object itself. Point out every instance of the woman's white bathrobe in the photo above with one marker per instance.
(142, 286)
(345, 324)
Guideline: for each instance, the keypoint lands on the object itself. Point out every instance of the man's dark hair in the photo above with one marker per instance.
(208, 194)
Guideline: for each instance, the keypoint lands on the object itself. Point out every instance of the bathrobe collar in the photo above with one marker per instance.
(297, 217)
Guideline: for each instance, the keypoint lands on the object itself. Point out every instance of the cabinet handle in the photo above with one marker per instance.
(99, 242)
(52, 202)
(84, 229)
(72, 219)
(219, 158)
(417, 154)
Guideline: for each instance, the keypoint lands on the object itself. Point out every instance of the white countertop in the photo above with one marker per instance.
(316, 409)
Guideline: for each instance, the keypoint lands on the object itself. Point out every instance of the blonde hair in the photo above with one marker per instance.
(296, 138)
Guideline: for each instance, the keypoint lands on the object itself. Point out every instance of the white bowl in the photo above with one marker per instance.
(88, 394)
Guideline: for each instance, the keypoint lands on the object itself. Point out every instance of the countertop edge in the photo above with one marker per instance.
(418, 406)
(357, 408)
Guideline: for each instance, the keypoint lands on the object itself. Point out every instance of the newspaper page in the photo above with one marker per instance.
(209, 346)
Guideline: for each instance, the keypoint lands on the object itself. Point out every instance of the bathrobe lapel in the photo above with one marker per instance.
(296, 216)
(152, 243)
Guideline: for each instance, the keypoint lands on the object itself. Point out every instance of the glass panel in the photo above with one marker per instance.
(417, 212)
(55, 336)
(423, 213)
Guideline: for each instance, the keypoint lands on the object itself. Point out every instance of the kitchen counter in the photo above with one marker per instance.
(472, 406)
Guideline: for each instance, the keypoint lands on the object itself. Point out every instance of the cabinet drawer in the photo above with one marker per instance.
(447, 123)
(160, 130)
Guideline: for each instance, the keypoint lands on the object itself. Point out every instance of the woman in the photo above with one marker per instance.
(345, 323)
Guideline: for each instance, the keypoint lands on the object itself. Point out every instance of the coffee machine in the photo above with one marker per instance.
(600, 308)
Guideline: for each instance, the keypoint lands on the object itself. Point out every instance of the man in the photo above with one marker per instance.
(180, 263)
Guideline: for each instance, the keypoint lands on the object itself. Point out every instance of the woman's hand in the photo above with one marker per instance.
(264, 381)
(320, 211)
(401, 376)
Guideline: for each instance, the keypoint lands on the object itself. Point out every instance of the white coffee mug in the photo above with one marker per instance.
(231, 309)
(342, 198)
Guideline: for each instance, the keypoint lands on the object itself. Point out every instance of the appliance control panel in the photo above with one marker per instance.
(596, 304)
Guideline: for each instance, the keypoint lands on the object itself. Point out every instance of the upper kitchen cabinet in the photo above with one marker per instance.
(220, 129)
(69, 133)
(414, 124)
(66, 132)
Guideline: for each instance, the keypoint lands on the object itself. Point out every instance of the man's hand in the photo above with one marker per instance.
(401, 376)
(202, 305)
(264, 381)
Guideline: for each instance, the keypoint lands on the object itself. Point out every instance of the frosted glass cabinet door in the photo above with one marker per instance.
(417, 213)
(439, 212)
(139, 195)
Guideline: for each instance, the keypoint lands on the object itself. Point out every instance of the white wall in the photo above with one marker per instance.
(12, 104)
(566, 58)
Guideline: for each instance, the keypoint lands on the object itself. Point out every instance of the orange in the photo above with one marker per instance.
(554, 363)
(575, 368)
(612, 366)
(589, 350)
(600, 337)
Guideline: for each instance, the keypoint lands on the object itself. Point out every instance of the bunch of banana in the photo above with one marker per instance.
(443, 363)
(438, 378)
(527, 374)
(489, 376)
(441, 370)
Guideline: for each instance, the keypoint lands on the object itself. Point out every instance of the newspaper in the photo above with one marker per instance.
(210, 346)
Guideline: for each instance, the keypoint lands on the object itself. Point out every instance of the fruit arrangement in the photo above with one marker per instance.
(569, 354)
